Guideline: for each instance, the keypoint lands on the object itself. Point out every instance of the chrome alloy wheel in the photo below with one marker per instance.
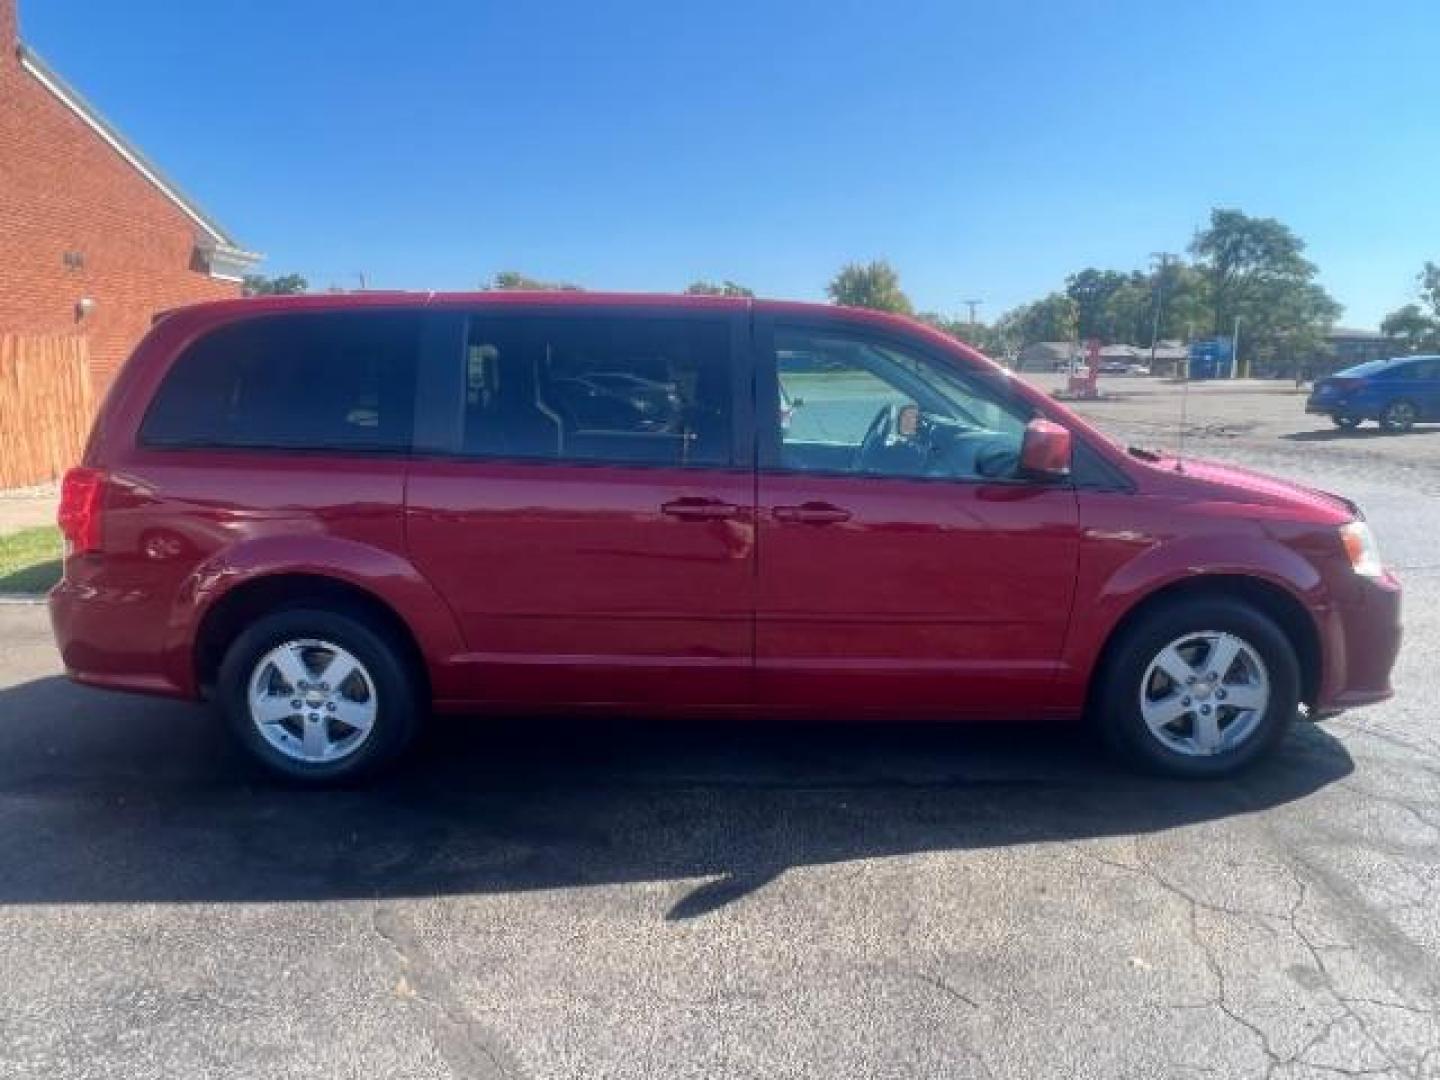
(312, 700)
(1205, 693)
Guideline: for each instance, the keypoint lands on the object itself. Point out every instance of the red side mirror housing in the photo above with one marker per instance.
(1045, 451)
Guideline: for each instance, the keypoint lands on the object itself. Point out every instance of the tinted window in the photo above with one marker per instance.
(850, 404)
(609, 388)
(1370, 367)
(307, 382)
(1403, 370)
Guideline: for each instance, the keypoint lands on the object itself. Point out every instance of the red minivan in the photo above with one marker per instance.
(332, 514)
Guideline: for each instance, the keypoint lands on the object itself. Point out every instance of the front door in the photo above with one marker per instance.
(1425, 376)
(903, 562)
(583, 502)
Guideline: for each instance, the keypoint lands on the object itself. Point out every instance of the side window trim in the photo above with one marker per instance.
(440, 383)
(766, 395)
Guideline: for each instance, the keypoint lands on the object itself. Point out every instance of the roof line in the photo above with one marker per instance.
(92, 116)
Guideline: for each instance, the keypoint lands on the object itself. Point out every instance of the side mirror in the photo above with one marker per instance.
(1045, 451)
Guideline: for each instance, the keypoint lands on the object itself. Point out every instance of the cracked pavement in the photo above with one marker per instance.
(555, 899)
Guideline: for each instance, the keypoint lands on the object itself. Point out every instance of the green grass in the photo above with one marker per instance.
(30, 560)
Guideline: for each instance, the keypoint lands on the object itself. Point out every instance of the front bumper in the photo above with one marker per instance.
(1364, 643)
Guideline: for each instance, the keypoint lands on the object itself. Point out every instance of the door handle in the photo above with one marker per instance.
(696, 509)
(810, 513)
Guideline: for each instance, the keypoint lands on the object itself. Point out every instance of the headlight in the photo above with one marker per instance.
(1360, 545)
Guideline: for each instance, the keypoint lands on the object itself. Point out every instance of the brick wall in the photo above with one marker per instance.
(64, 189)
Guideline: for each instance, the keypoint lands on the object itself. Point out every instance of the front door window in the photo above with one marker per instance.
(862, 406)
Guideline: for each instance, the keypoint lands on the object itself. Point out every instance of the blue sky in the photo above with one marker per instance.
(984, 149)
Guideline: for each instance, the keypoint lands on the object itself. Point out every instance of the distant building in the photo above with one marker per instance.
(1047, 355)
(1169, 358)
(1128, 354)
(94, 238)
(1350, 347)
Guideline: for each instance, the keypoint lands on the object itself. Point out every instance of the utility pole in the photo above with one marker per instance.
(972, 305)
(1164, 257)
(1235, 351)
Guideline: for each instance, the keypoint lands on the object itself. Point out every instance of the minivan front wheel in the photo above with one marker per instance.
(1199, 689)
(317, 695)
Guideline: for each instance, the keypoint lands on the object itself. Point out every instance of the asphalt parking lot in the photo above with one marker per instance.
(550, 899)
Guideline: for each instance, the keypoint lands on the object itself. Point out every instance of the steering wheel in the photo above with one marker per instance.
(876, 435)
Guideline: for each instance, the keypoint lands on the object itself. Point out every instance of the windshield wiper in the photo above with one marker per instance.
(1143, 453)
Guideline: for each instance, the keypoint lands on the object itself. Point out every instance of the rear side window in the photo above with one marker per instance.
(335, 381)
(621, 389)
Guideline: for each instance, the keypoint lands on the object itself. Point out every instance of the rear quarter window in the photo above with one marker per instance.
(332, 381)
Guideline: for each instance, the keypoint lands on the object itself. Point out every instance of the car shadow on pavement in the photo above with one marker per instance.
(107, 798)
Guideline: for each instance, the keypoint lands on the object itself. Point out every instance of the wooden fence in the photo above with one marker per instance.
(46, 403)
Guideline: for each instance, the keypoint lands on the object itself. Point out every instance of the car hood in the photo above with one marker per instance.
(1210, 480)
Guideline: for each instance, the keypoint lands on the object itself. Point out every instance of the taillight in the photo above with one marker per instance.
(81, 493)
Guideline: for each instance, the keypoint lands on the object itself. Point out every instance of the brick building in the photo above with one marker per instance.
(94, 239)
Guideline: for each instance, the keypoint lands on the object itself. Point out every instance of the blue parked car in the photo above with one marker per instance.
(1399, 393)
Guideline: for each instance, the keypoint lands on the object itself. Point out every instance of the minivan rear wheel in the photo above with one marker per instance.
(1399, 415)
(318, 696)
(1199, 689)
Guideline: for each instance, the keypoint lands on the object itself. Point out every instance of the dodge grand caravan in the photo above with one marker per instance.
(333, 514)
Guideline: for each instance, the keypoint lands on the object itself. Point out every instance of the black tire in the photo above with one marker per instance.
(398, 705)
(1117, 701)
(1345, 422)
(1399, 415)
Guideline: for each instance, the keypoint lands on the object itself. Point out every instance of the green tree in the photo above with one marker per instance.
(1129, 312)
(1055, 317)
(1294, 332)
(1255, 270)
(709, 288)
(1116, 307)
(871, 285)
(988, 339)
(1415, 328)
(1093, 290)
(1184, 308)
(1411, 330)
(286, 285)
(514, 279)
